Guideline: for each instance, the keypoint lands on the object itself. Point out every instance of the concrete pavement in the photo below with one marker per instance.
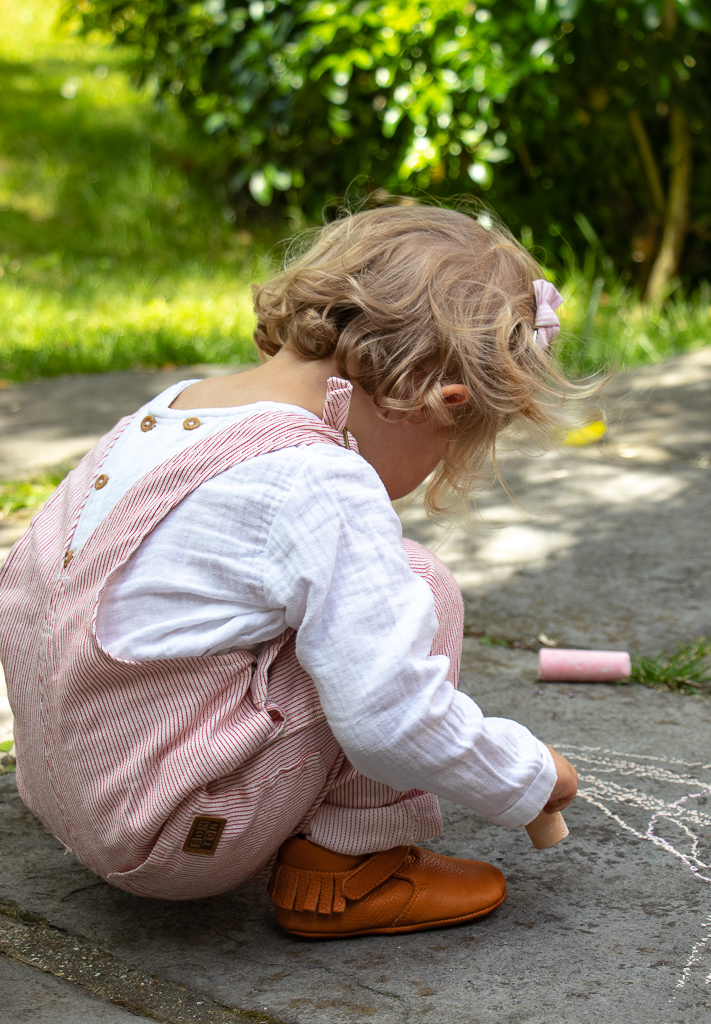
(40, 998)
(609, 549)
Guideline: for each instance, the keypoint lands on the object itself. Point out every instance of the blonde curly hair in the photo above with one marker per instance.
(410, 298)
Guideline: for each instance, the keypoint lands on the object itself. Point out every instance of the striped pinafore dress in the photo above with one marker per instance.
(180, 778)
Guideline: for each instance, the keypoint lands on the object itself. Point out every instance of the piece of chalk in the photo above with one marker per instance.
(583, 666)
(588, 434)
(546, 830)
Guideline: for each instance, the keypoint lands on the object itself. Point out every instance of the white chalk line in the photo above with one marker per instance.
(695, 957)
(677, 814)
(698, 765)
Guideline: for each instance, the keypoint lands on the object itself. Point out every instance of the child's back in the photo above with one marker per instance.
(213, 636)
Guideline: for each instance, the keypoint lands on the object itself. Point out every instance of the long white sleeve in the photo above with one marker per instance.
(365, 626)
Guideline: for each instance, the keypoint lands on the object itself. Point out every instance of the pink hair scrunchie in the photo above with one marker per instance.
(547, 324)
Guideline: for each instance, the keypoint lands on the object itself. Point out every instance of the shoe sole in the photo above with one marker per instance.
(424, 926)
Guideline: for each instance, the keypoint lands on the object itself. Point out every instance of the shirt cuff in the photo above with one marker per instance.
(528, 806)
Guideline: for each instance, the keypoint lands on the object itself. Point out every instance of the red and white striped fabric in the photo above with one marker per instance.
(181, 778)
(338, 402)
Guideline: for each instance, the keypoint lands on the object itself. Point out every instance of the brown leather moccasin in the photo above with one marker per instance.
(323, 895)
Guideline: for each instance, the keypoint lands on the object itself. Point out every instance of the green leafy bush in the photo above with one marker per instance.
(569, 115)
(281, 88)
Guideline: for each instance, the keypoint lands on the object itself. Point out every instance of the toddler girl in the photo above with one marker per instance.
(220, 653)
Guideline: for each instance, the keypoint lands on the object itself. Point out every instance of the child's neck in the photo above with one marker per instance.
(285, 378)
(402, 451)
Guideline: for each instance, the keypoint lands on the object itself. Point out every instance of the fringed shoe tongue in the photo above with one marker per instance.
(299, 889)
(326, 891)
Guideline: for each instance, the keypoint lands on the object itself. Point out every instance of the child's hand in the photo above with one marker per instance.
(567, 785)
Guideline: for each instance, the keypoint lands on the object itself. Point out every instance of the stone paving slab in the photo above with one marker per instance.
(38, 998)
(45, 968)
(610, 548)
(609, 926)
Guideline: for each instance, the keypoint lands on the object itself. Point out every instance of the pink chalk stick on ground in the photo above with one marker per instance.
(583, 666)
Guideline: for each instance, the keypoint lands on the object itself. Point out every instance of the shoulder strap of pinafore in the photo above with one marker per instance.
(337, 405)
(150, 499)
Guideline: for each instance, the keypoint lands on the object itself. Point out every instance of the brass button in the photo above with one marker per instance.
(148, 423)
(101, 481)
(191, 422)
(68, 555)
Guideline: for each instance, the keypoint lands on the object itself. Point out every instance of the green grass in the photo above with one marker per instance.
(686, 670)
(114, 247)
(614, 329)
(7, 761)
(20, 497)
(118, 250)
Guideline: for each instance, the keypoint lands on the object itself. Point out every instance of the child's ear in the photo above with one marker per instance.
(455, 394)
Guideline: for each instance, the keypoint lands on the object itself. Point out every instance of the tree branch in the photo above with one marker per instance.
(646, 155)
(676, 219)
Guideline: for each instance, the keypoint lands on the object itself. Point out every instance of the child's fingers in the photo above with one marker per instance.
(563, 792)
(566, 785)
(559, 804)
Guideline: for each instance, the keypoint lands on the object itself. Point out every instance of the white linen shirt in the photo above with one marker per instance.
(306, 537)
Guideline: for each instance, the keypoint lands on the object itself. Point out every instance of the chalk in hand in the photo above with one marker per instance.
(546, 830)
(556, 665)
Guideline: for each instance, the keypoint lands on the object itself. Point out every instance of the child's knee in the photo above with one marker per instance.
(449, 605)
(435, 573)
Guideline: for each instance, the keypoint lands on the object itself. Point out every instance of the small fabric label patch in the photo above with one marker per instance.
(204, 835)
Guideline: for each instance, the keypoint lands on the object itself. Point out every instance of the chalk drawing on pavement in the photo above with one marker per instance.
(659, 800)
